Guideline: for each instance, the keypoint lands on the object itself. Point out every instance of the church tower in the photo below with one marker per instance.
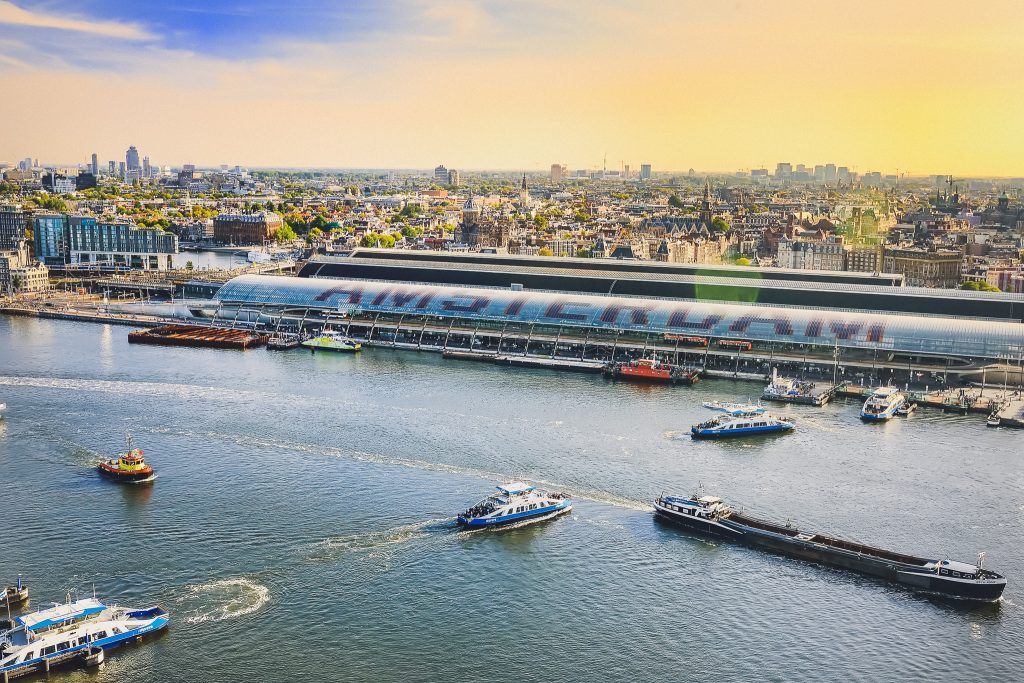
(524, 192)
(705, 205)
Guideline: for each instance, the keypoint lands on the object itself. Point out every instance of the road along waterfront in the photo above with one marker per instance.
(302, 524)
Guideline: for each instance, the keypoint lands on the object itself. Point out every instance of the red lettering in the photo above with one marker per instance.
(355, 294)
(782, 324)
(557, 310)
(845, 330)
(637, 314)
(515, 306)
(477, 303)
(679, 316)
(814, 328)
(875, 332)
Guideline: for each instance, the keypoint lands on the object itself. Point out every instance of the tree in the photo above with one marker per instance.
(719, 224)
(743, 261)
(971, 285)
(189, 265)
(675, 201)
(541, 221)
(285, 234)
(545, 251)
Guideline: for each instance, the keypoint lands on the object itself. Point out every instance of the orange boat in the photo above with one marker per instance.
(130, 467)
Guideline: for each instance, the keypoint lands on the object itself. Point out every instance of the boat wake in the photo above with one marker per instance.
(373, 542)
(223, 599)
(575, 492)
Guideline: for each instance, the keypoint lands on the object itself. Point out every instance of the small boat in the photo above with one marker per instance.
(907, 408)
(514, 502)
(282, 342)
(130, 467)
(71, 633)
(709, 515)
(993, 420)
(788, 390)
(331, 340)
(3, 408)
(882, 404)
(14, 595)
(735, 408)
(741, 425)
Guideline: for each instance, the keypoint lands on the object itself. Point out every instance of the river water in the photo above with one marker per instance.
(302, 524)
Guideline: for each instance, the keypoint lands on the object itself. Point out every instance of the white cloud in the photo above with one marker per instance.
(17, 16)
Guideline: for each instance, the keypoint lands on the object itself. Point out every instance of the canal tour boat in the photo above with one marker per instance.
(130, 466)
(514, 502)
(14, 595)
(741, 424)
(734, 408)
(882, 404)
(332, 340)
(71, 633)
(709, 515)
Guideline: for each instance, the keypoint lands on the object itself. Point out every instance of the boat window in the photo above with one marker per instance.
(28, 656)
(64, 646)
(117, 629)
(49, 650)
(956, 574)
(945, 572)
(99, 634)
(83, 640)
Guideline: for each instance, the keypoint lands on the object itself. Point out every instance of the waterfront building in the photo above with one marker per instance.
(246, 229)
(20, 273)
(62, 240)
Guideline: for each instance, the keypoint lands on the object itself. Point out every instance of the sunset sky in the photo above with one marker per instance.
(923, 87)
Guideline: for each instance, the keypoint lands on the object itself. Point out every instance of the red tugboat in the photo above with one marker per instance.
(130, 467)
(651, 370)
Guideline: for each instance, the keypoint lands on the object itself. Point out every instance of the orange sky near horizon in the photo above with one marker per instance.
(923, 87)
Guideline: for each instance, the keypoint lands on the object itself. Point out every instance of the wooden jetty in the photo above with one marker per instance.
(199, 336)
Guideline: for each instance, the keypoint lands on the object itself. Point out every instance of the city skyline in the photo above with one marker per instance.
(917, 88)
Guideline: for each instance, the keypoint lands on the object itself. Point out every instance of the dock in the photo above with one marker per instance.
(198, 336)
(813, 395)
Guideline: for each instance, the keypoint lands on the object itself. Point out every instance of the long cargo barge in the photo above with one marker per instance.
(709, 515)
(197, 335)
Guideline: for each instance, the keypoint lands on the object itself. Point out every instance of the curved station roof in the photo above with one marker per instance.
(948, 336)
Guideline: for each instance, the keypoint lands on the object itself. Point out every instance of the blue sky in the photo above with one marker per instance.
(227, 28)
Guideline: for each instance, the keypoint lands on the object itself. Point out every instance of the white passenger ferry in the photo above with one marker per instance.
(732, 425)
(734, 408)
(514, 502)
(67, 633)
(882, 404)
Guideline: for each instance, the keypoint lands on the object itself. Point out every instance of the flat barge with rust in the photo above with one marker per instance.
(710, 516)
(651, 370)
(199, 336)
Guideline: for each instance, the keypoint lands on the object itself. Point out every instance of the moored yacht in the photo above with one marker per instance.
(882, 404)
(514, 502)
(709, 515)
(332, 340)
(67, 633)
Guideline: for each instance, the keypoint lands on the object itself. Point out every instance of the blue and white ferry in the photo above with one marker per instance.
(882, 404)
(69, 633)
(740, 424)
(514, 502)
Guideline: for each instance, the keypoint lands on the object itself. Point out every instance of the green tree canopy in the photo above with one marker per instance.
(675, 201)
(719, 224)
(285, 234)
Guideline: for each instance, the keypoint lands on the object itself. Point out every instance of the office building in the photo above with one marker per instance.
(84, 241)
(12, 227)
(19, 273)
(454, 178)
(95, 165)
(131, 158)
(558, 173)
(783, 170)
(145, 167)
(925, 267)
(441, 174)
(121, 169)
(645, 171)
(110, 168)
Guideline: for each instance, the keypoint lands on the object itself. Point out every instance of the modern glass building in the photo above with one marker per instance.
(87, 242)
(270, 300)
